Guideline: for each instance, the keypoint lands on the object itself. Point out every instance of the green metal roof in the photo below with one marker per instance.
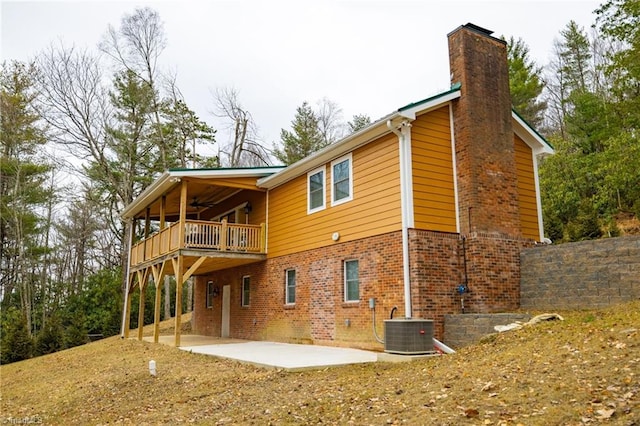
(454, 88)
(211, 169)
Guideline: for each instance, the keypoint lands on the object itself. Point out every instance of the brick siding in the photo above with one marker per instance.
(320, 315)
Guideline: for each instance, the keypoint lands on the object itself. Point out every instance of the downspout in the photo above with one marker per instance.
(406, 205)
(126, 284)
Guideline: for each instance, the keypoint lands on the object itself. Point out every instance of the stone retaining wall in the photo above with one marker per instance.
(464, 329)
(582, 275)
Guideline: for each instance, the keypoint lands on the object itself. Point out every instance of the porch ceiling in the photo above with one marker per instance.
(202, 195)
(207, 186)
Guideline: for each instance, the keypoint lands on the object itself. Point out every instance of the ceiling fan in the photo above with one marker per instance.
(196, 204)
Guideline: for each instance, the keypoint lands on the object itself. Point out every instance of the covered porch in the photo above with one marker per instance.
(190, 223)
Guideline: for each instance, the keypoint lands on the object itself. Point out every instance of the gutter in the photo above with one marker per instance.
(406, 204)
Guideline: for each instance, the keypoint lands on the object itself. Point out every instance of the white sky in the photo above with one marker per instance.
(371, 57)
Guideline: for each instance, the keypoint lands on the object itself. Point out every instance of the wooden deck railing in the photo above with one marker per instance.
(201, 234)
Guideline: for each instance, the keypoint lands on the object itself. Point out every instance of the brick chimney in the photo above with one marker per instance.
(485, 157)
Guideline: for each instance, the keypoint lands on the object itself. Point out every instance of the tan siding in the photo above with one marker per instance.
(526, 190)
(432, 162)
(374, 210)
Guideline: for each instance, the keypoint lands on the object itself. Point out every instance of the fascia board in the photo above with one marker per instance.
(214, 173)
(411, 112)
(161, 185)
(328, 153)
(536, 142)
(375, 130)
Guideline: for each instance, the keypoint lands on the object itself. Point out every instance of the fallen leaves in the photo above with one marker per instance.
(554, 373)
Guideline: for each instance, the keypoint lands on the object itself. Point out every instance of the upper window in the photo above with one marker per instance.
(316, 192)
(290, 286)
(342, 180)
(246, 290)
(351, 281)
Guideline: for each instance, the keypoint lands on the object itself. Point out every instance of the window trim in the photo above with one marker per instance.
(245, 303)
(286, 286)
(314, 172)
(346, 282)
(334, 202)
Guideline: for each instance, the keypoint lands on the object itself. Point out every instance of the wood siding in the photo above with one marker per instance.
(374, 210)
(432, 162)
(526, 190)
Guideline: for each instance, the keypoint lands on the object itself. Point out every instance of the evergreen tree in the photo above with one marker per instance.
(525, 82)
(303, 140)
(16, 341)
(23, 189)
(576, 58)
(50, 338)
(358, 122)
(75, 329)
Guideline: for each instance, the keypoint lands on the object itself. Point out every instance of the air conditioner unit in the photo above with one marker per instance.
(408, 336)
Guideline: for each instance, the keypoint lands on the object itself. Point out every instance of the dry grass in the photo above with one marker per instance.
(583, 370)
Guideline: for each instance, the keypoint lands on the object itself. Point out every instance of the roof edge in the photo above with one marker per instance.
(546, 146)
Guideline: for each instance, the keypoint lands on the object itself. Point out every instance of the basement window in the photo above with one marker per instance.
(246, 290)
(316, 190)
(342, 180)
(290, 286)
(351, 281)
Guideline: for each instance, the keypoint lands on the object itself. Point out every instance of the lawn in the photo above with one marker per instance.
(583, 370)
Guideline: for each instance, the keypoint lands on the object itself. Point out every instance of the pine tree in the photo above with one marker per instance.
(358, 122)
(525, 82)
(23, 189)
(16, 342)
(50, 338)
(303, 140)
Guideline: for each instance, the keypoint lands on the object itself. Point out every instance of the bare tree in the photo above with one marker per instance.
(244, 148)
(136, 46)
(74, 101)
(330, 121)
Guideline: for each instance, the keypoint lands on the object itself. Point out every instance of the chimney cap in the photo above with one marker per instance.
(477, 29)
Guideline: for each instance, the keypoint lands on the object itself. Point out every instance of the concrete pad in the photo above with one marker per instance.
(286, 356)
(193, 340)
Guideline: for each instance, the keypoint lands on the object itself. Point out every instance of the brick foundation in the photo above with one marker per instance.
(437, 268)
(320, 315)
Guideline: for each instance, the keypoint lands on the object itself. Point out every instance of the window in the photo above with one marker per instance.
(212, 292)
(316, 192)
(290, 288)
(342, 180)
(351, 282)
(246, 290)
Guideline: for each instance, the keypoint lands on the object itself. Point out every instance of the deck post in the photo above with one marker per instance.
(156, 313)
(263, 237)
(143, 290)
(179, 271)
(127, 310)
(223, 235)
(179, 281)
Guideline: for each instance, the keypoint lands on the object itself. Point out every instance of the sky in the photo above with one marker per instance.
(370, 57)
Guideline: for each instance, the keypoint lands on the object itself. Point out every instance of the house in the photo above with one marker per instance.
(405, 218)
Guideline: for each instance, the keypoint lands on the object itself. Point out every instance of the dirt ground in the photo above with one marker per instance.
(583, 370)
